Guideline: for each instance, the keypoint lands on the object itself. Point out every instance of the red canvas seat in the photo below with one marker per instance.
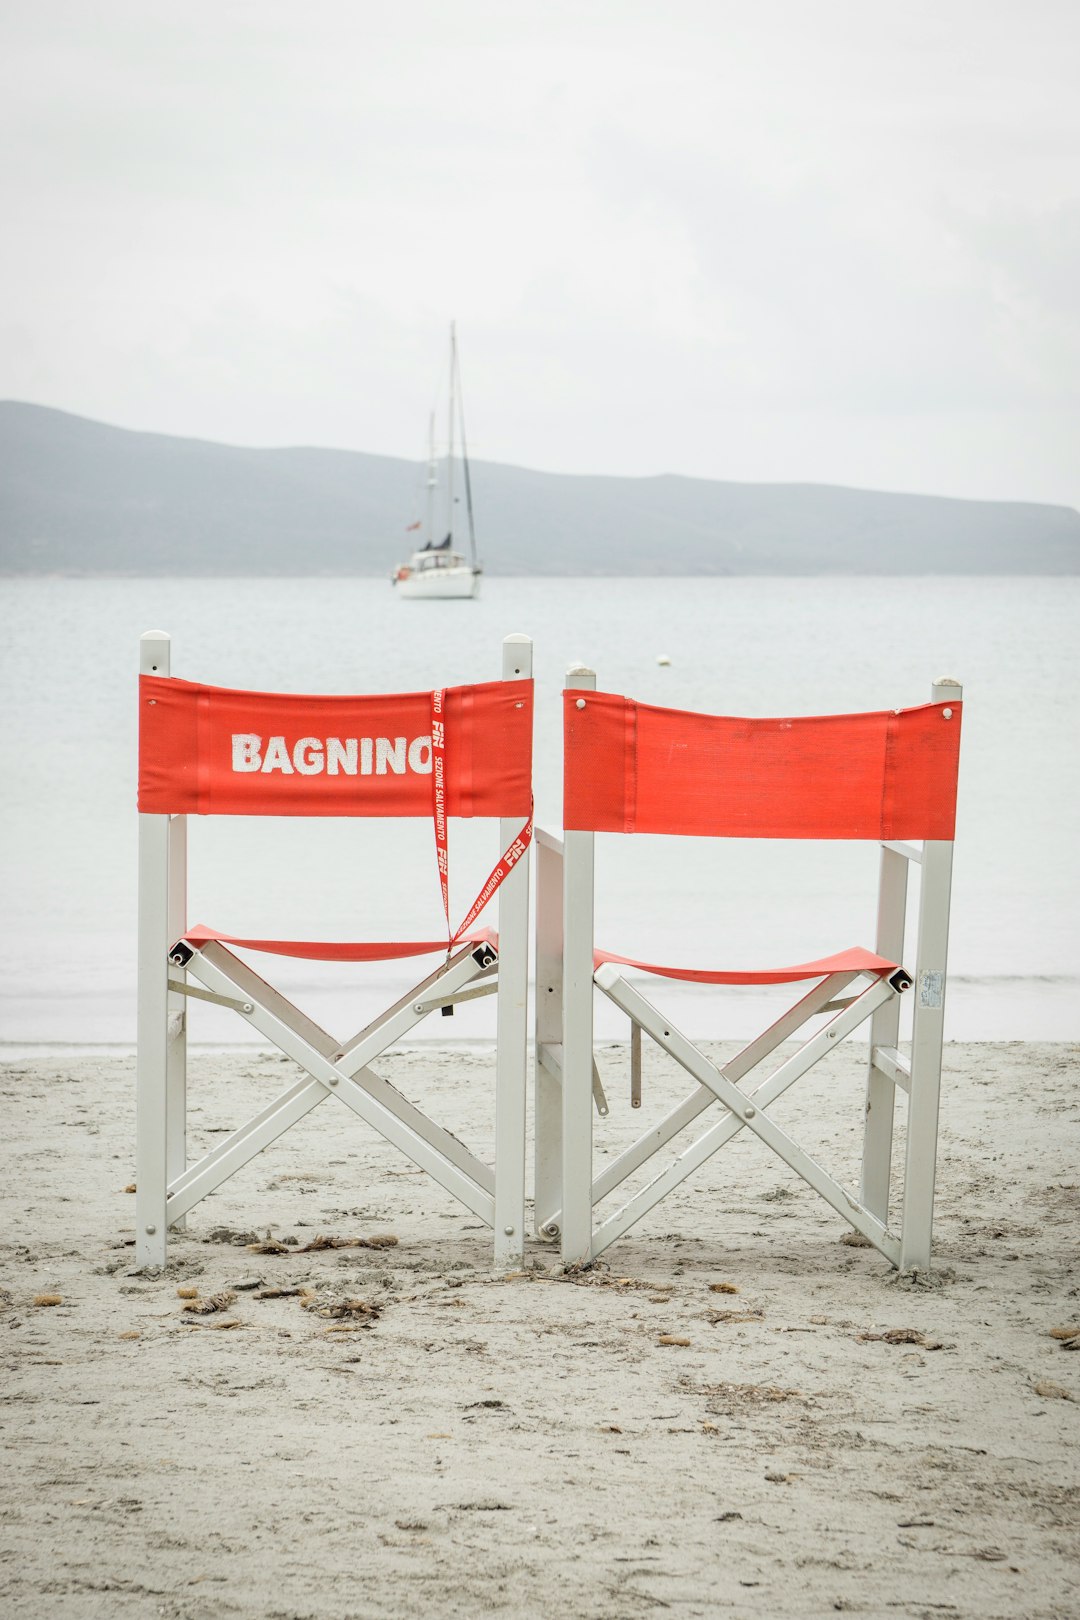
(204, 750)
(635, 768)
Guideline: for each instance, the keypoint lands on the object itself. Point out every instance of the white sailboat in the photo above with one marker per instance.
(437, 571)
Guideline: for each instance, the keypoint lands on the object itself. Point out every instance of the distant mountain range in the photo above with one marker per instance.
(79, 497)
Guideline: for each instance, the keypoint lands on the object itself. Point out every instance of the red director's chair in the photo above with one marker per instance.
(630, 767)
(205, 750)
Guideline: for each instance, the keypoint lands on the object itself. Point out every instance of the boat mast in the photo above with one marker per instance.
(465, 460)
(450, 435)
(432, 479)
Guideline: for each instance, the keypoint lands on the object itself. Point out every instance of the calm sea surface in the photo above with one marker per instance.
(68, 664)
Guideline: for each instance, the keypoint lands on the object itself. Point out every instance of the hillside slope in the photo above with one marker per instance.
(80, 497)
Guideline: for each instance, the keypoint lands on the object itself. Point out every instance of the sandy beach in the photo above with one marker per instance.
(737, 1412)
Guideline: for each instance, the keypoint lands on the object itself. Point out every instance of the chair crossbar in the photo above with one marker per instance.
(458, 971)
(549, 1055)
(890, 1062)
(242, 1145)
(233, 1139)
(177, 987)
(609, 980)
(741, 1064)
(286, 1110)
(908, 851)
(240, 978)
(325, 1043)
(292, 1104)
(443, 1157)
(815, 1002)
(746, 1109)
(489, 989)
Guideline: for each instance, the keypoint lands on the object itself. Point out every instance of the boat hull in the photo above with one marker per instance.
(439, 584)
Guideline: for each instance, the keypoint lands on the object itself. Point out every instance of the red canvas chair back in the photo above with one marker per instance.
(209, 750)
(462, 751)
(635, 768)
(629, 767)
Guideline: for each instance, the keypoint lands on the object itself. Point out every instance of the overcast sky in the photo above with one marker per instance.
(745, 239)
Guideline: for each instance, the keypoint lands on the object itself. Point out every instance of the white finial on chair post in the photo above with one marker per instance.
(517, 657)
(154, 650)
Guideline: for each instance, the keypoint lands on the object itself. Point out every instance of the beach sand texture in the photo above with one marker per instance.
(819, 1436)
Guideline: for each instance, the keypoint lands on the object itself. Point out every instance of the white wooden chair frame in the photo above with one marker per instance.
(567, 1084)
(167, 1187)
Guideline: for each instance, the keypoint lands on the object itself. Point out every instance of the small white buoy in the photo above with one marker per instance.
(662, 658)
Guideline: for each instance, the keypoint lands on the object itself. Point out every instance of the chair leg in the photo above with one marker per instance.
(176, 1067)
(927, 1037)
(877, 1135)
(547, 1087)
(509, 1166)
(884, 1031)
(922, 1132)
(577, 1067)
(176, 1105)
(152, 1062)
(150, 1179)
(510, 1068)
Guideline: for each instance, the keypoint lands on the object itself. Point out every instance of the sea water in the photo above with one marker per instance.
(68, 665)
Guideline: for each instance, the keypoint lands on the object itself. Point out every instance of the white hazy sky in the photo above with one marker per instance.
(746, 239)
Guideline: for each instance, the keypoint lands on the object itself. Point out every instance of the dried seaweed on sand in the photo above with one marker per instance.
(901, 1336)
(211, 1304)
(355, 1312)
(378, 1240)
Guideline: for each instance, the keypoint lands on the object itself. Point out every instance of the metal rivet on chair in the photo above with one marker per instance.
(581, 703)
(946, 714)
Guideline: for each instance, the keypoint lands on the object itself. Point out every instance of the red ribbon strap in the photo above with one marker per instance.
(507, 861)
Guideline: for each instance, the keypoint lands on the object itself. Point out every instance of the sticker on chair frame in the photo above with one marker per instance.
(931, 987)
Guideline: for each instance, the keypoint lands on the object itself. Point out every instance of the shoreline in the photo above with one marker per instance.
(14, 1050)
